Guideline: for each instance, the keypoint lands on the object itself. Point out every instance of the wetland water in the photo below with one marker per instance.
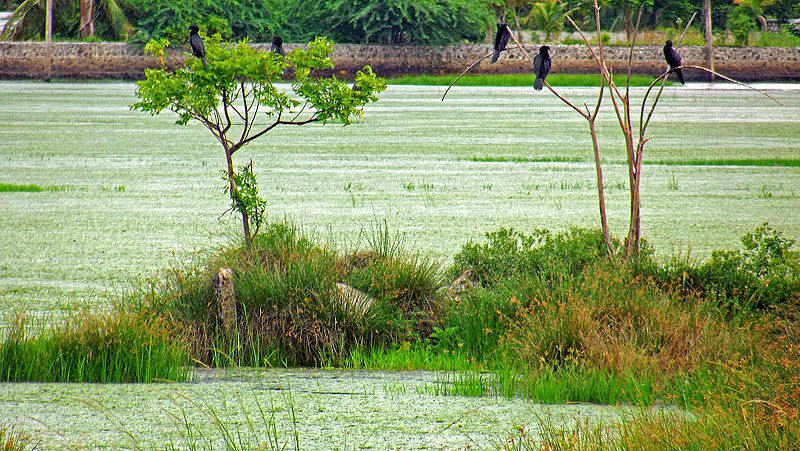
(333, 410)
(129, 194)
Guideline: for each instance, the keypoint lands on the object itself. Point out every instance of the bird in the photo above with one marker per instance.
(500, 40)
(541, 66)
(674, 60)
(277, 46)
(198, 48)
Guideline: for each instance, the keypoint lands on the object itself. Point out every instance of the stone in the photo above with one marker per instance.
(225, 298)
(466, 281)
(353, 300)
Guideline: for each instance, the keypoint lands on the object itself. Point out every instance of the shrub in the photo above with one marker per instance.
(549, 256)
(765, 274)
(290, 312)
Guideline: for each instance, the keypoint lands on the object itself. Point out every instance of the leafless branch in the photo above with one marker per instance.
(686, 29)
(464, 73)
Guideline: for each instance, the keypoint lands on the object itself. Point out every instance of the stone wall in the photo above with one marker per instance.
(120, 60)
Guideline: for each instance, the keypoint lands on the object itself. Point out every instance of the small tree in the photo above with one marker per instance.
(238, 101)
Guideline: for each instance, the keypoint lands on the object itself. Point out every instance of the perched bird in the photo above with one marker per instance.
(541, 66)
(500, 40)
(277, 46)
(673, 59)
(198, 48)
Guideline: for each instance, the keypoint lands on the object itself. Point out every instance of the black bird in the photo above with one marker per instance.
(198, 48)
(674, 60)
(500, 40)
(277, 46)
(541, 66)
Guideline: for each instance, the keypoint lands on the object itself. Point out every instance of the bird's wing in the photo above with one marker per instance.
(504, 39)
(546, 67)
(676, 57)
(537, 63)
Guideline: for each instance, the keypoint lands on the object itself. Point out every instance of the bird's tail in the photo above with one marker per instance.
(495, 56)
(538, 84)
(680, 76)
(205, 65)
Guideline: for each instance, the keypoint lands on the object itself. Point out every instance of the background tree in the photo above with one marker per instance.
(548, 16)
(109, 19)
(238, 101)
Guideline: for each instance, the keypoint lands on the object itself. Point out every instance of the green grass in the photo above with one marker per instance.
(556, 80)
(13, 188)
(93, 349)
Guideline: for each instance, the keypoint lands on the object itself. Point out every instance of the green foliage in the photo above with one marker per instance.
(234, 93)
(244, 198)
(741, 22)
(112, 19)
(290, 311)
(764, 275)
(510, 254)
(432, 22)
(257, 20)
(113, 348)
(548, 16)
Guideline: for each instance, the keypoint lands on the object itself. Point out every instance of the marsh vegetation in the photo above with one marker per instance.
(548, 318)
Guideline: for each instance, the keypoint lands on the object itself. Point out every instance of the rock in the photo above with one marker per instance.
(466, 281)
(353, 300)
(225, 298)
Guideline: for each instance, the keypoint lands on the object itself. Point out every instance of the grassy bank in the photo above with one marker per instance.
(557, 80)
(542, 315)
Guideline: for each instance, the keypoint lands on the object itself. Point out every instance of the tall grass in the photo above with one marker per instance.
(93, 348)
(13, 439)
(290, 312)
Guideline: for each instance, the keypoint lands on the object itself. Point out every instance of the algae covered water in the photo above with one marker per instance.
(298, 409)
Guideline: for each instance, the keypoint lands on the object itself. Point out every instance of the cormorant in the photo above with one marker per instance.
(198, 48)
(673, 59)
(277, 46)
(541, 66)
(500, 40)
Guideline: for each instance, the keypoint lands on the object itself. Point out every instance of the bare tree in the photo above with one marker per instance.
(635, 140)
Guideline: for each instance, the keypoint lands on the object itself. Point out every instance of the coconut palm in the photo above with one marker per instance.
(109, 16)
(548, 16)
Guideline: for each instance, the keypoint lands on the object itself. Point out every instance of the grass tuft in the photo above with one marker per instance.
(94, 348)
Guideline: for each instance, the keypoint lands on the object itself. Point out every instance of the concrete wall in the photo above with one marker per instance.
(120, 60)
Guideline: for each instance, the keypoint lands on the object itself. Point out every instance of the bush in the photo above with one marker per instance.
(290, 312)
(548, 256)
(766, 274)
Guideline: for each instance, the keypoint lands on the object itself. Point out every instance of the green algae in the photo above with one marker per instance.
(317, 409)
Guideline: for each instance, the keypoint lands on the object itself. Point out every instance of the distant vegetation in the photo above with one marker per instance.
(436, 22)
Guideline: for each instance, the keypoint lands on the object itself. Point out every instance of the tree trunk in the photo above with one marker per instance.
(627, 18)
(709, 36)
(232, 188)
(87, 18)
(600, 191)
(519, 30)
(48, 37)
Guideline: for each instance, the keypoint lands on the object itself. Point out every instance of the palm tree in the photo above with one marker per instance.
(548, 16)
(27, 22)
